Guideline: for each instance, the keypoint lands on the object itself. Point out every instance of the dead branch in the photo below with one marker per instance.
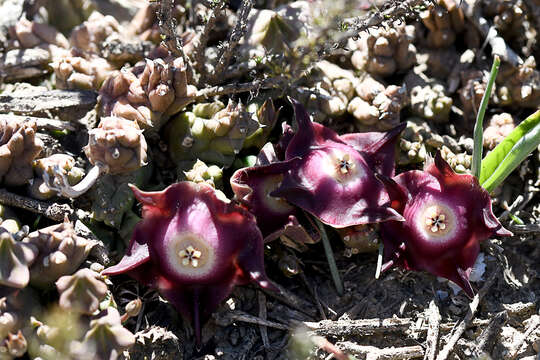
(167, 26)
(42, 123)
(53, 211)
(534, 323)
(524, 229)
(486, 340)
(432, 339)
(21, 64)
(396, 11)
(465, 323)
(236, 35)
(56, 101)
(199, 55)
(262, 315)
(375, 353)
(255, 86)
(498, 45)
(230, 317)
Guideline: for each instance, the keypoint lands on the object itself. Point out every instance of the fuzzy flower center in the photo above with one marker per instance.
(345, 165)
(342, 166)
(190, 254)
(437, 222)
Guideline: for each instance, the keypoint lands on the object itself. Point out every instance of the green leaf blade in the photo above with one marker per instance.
(500, 162)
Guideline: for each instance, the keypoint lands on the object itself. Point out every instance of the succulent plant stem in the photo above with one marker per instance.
(478, 127)
(66, 190)
(330, 257)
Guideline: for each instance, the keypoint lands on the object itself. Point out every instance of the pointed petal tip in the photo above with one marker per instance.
(463, 282)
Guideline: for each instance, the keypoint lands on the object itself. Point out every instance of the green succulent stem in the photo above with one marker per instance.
(330, 258)
(478, 127)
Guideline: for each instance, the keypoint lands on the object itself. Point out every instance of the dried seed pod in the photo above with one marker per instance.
(428, 99)
(215, 140)
(444, 20)
(61, 252)
(385, 50)
(75, 71)
(499, 127)
(18, 148)
(89, 35)
(81, 292)
(15, 259)
(117, 145)
(376, 106)
(107, 338)
(148, 95)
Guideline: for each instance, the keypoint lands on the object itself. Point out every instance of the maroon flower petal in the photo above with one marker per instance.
(446, 217)
(252, 187)
(194, 247)
(332, 180)
(377, 148)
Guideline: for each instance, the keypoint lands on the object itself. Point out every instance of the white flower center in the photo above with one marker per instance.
(342, 166)
(437, 222)
(190, 256)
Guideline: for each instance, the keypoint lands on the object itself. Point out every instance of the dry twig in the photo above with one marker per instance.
(534, 323)
(42, 123)
(432, 339)
(262, 315)
(236, 35)
(167, 26)
(199, 51)
(53, 211)
(463, 324)
(375, 353)
(486, 340)
(254, 86)
(233, 316)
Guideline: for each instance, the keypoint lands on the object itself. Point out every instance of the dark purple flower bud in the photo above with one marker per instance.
(333, 180)
(446, 217)
(193, 246)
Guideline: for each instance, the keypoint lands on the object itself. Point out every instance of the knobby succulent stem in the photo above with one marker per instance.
(330, 257)
(478, 127)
